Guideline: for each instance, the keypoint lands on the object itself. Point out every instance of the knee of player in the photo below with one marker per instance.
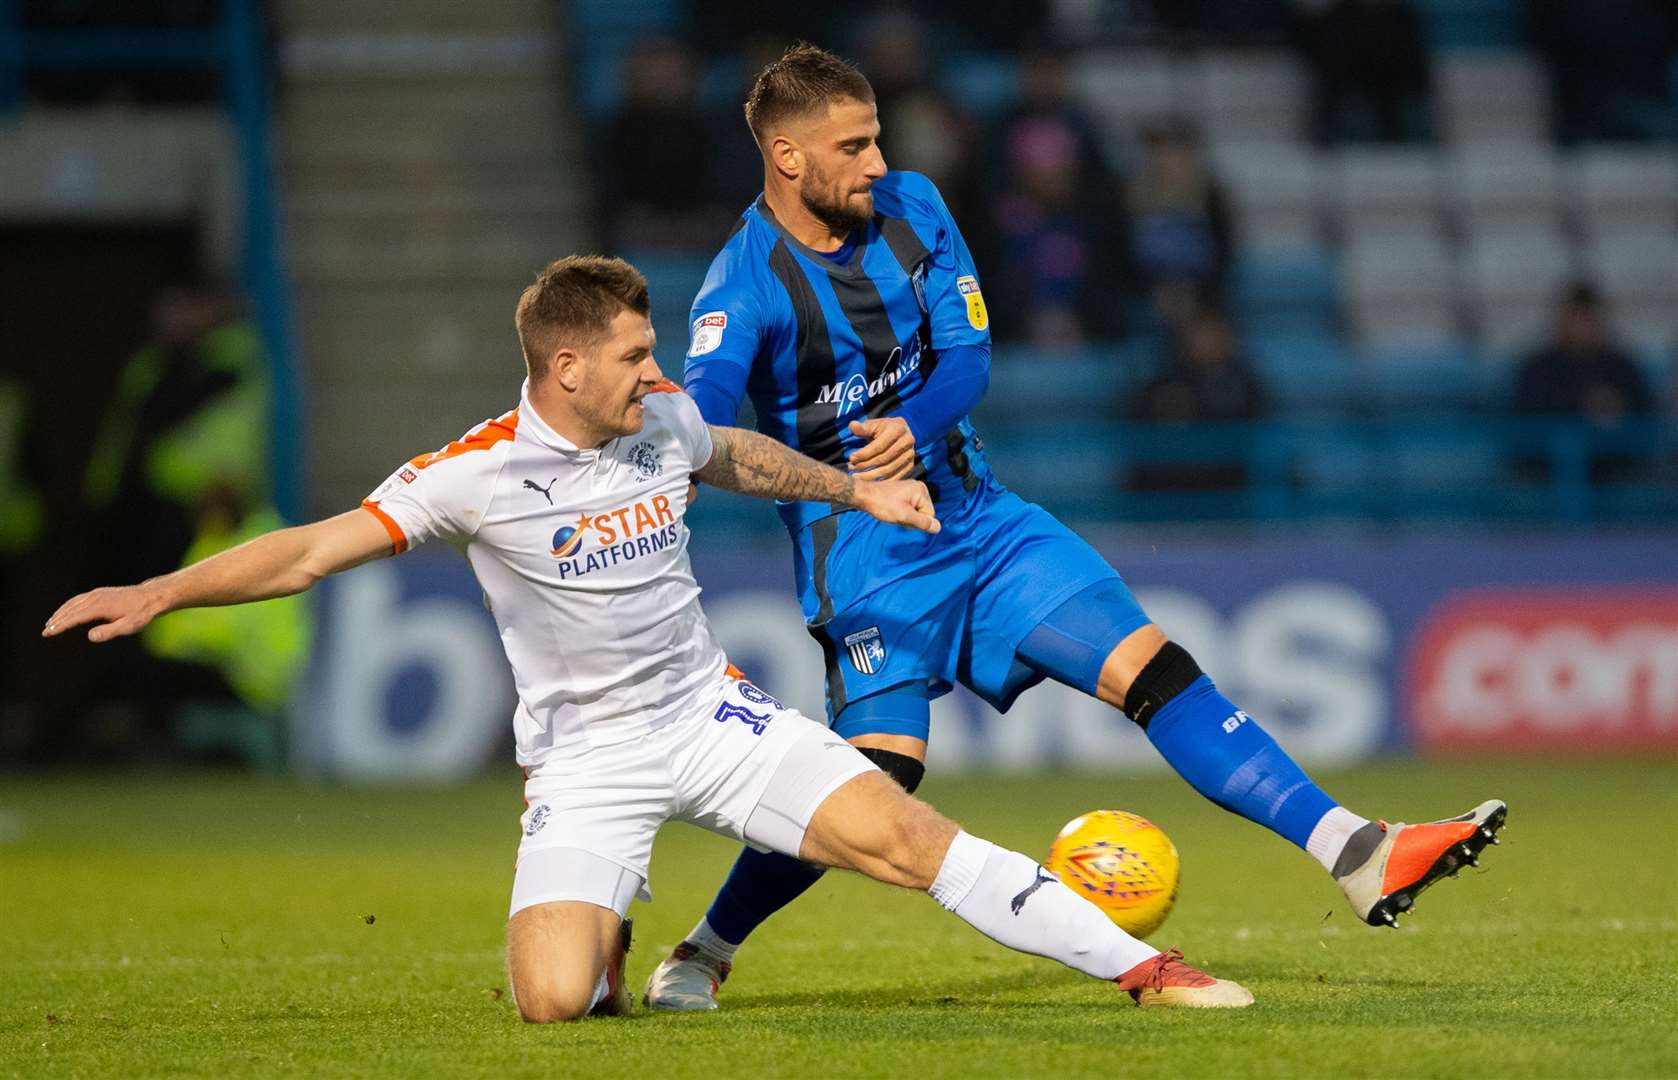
(1169, 672)
(551, 1001)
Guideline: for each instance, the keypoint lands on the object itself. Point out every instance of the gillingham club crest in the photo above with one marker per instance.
(868, 651)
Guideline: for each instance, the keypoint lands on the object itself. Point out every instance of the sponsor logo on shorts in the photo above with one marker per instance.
(867, 650)
(538, 818)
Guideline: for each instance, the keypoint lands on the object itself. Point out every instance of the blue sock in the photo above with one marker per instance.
(761, 883)
(1232, 761)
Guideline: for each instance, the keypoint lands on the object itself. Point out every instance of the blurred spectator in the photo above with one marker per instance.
(1369, 68)
(1058, 279)
(1610, 65)
(1207, 379)
(922, 129)
(179, 471)
(734, 165)
(1581, 373)
(1046, 95)
(1180, 232)
(653, 188)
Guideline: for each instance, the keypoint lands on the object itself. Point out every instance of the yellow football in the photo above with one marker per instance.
(1120, 862)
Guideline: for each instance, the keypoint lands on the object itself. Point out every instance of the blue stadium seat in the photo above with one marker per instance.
(982, 83)
(1031, 386)
(1472, 24)
(1286, 291)
(1306, 373)
(1421, 378)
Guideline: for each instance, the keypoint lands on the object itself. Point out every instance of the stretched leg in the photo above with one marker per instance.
(873, 826)
(890, 729)
(1224, 753)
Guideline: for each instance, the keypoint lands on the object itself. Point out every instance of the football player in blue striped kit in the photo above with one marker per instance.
(846, 304)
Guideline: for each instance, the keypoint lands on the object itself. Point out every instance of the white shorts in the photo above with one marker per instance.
(746, 767)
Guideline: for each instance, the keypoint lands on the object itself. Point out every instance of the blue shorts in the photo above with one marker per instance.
(895, 609)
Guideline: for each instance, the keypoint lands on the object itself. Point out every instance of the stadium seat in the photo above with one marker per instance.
(1305, 373)
(1091, 383)
(1125, 88)
(1488, 97)
(1508, 186)
(984, 83)
(1401, 378)
(1285, 291)
(1626, 189)
(1472, 24)
(1250, 96)
(1401, 289)
(1514, 280)
(1385, 190)
(1274, 189)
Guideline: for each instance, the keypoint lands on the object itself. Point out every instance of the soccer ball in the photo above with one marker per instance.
(1120, 862)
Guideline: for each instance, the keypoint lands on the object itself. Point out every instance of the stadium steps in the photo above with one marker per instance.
(430, 166)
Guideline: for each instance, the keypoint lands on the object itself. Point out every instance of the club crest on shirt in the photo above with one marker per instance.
(644, 456)
(867, 650)
(977, 317)
(707, 333)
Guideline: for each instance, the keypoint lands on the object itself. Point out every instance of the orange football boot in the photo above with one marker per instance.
(1383, 872)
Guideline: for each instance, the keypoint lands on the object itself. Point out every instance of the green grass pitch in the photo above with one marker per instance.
(191, 925)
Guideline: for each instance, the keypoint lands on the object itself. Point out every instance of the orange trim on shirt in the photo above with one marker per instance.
(733, 672)
(487, 435)
(397, 540)
(665, 386)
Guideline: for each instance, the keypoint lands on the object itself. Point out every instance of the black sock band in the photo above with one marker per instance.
(900, 767)
(1168, 674)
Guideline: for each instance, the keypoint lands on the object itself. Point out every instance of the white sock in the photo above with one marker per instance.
(709, 942)
(1013, 901)
(1328, 838)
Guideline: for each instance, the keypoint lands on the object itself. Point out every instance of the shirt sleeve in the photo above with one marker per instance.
(954, 301)
(692, 434)
(726, 333)
(440, 496)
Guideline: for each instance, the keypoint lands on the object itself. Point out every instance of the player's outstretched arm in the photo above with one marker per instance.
(754, 464)
(279, 563)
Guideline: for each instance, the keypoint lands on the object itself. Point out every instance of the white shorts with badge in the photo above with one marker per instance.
(746, 766)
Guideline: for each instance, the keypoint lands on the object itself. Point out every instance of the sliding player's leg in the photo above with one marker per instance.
(890, 729)
(873, 826)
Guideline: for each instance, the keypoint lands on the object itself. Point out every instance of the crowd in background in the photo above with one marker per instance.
(1078, 243)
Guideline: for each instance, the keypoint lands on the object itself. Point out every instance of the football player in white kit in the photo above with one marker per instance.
(570, 509)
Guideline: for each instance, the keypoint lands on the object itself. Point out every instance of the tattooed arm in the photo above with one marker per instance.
(754, 464)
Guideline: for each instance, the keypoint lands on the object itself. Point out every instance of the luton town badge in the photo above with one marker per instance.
(868, 652)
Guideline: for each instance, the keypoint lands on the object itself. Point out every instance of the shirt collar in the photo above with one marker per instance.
(531, 421)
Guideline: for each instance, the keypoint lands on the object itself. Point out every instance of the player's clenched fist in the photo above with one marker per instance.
(889, 452)
(898, 502)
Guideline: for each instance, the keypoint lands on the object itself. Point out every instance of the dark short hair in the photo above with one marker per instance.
(573, 302)
(804, 79)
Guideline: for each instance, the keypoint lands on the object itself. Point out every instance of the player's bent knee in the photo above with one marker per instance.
(552, 1004)
(1171, 671)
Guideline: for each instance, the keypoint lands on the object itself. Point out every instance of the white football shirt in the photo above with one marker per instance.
(582, 557)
